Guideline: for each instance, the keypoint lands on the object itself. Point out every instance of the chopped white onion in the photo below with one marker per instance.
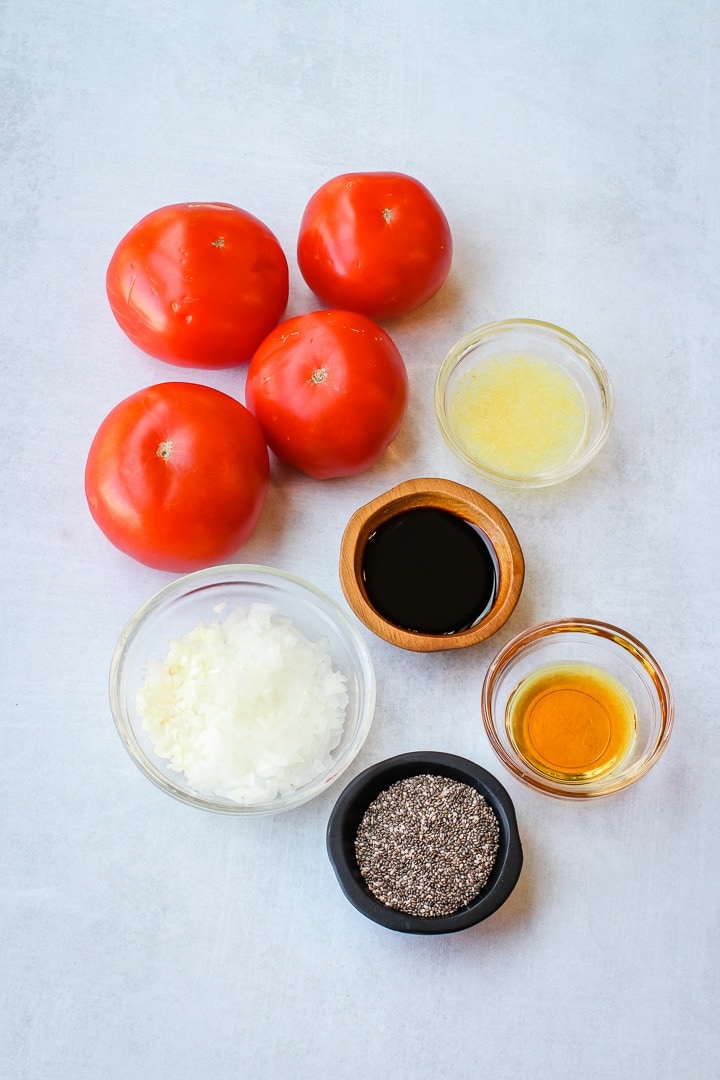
(248, 708)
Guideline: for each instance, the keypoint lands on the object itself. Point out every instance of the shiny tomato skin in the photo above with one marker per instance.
(177, 475)
(330, 390)
(377, 243)
(198, 284)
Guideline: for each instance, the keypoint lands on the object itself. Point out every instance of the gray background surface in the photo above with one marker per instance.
(574, 148)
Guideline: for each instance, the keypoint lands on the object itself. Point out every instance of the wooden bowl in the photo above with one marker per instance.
(465, 503)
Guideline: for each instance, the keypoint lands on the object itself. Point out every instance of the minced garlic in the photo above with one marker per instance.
(519, 415)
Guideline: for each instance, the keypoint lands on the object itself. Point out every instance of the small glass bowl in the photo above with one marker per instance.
(505, 341)
(603, 646)
(178, 607)
(350, 808)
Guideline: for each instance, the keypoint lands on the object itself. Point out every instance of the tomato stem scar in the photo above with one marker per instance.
(319, 375)
(220, 242)
(387, 214)
(165, 449)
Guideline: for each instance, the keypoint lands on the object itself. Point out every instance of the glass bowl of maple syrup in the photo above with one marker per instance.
(577, 708)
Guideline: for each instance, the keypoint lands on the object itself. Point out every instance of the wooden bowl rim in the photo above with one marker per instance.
(466, 503)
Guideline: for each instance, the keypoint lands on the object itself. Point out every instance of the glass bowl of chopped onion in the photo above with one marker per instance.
(523, 403)
(242, 689)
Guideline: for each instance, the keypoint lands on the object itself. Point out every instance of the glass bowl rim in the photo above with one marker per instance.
(596, 628)
(600, 377)
(225, 574)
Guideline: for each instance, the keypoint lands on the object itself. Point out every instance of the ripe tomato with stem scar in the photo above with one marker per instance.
(378, 243)
(198, 284)
(330, 390)
(177, 475)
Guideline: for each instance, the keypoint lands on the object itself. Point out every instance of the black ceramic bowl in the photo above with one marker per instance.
(354, 801)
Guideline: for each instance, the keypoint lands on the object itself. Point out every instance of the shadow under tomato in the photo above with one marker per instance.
(446, 301)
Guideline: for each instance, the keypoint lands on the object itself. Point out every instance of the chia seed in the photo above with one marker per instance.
(427, 845)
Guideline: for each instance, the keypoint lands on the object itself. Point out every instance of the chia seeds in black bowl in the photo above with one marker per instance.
(425, 843)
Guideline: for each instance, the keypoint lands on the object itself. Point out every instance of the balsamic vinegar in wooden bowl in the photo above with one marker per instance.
(431, 565)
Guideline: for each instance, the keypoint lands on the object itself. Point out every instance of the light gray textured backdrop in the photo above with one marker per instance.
(574, 148)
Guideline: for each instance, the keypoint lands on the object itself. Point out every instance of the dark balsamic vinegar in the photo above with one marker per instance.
(429, 571)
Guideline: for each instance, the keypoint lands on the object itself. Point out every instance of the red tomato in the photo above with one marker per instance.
(198, 284)
(377, 243)
(177, 476)
(330, 391)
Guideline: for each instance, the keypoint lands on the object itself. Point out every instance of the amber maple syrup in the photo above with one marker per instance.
(572, 722)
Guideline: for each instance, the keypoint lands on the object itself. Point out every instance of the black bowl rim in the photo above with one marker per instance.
(360, 792)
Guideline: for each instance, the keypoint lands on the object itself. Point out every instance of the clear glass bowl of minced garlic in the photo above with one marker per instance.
(523, 403)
